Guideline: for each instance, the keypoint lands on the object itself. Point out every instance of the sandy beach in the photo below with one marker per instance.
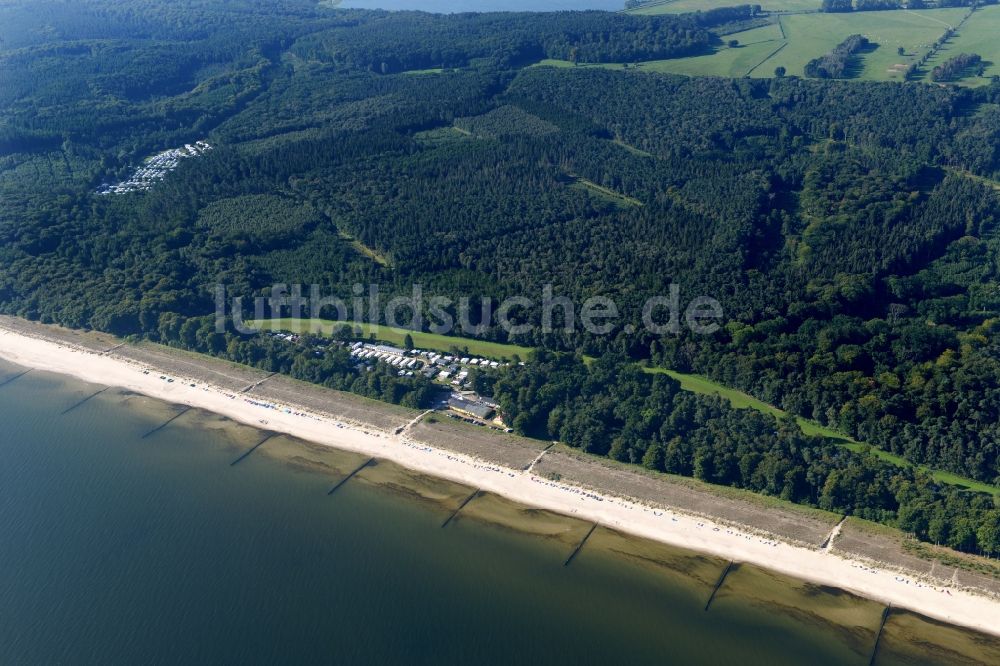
(674, 528)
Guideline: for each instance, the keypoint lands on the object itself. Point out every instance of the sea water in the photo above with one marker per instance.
(125, 542)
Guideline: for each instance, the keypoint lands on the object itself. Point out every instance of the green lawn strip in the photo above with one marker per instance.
(740, 400)
(604, 192)
(631, 149)
(968, 174)
(422, 72)
(363, 249)
(396, 336)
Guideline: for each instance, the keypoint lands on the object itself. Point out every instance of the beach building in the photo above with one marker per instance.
(473, 409)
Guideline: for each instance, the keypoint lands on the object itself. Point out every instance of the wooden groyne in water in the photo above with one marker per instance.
(878, 636)
(15, 377)
(350, 476)
(167, 422)
(722, 579)
(461, 506)
(269, 435)
(579, 546)
(85, 400)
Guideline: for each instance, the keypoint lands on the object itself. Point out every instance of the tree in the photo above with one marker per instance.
(988, 534)
(654, 457)
(836, 6)
(733, 43)
(901, 51)
(780, 71)
(938, 528)
(408, 342)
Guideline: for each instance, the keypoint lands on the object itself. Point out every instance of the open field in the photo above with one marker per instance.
(798, 38)
(395, 336)
(978, 35)
(755, 46)
(681, 6)
(812, 35)
(740, 400)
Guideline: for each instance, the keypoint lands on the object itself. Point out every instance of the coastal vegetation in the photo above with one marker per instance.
(850, 243)
(615, 410)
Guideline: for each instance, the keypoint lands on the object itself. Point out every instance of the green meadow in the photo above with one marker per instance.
(755, 46)
(396, 336)
(809, 36)
(978, 35)
(796, 38)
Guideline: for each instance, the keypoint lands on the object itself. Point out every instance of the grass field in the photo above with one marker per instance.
(740, 400)
(812, 35)
(395, 336)
(681, 6)
(978, 35)
(798, 38)
(755, 46)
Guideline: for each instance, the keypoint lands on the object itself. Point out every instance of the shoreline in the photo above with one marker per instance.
(674, 528)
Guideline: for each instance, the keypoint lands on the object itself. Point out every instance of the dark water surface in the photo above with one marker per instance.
(119, 548)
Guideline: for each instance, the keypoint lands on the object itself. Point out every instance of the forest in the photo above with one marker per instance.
(849, 229)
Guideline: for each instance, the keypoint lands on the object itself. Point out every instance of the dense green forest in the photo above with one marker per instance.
(849, 229)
